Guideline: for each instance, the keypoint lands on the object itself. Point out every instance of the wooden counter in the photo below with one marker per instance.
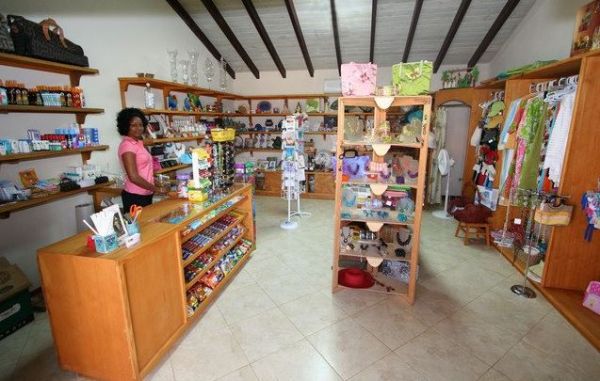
(114, 316)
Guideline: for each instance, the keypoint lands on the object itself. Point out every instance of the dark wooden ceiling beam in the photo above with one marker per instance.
(460, 14)
(218, 17)
(289, 4)
(373, 26)
(336, 36)
(187, 19)
(413, 27)
(504, 14)
(260, 28)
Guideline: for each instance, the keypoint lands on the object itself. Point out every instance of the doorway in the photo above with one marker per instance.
(457, 127)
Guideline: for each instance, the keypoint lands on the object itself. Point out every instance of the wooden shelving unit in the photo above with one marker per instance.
(74, 73)
(8, 208)
(570, 262)
(150, 142)
(140, 313)
(85, 154)
(172, 169)
(383, 283)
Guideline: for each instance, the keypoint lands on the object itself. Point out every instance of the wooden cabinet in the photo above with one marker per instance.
(114, 316)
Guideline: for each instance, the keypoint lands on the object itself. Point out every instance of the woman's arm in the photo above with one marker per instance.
(132, 172)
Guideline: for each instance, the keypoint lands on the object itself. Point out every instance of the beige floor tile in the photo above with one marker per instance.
(525, 362)
(286, 288)
(353, 301)
(241, 280)
(208, 356)
(501, 307)
(389, 368)
(390, 323)
(243, 374)
(485, 340)
(261, 269)
(265, 333)
(297, 362)
(493, 375)
(348, 347)
(164, 372)
(244, 303)
(41, 364)
(313, 312)
(212, 320)
(439, 358)
(556, 337)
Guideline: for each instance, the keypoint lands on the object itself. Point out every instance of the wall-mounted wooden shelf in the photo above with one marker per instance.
(173, 168)
(80, 112)
(6, 209)
(85, 154)
(74, 72)
(149, 142)
(125, 82)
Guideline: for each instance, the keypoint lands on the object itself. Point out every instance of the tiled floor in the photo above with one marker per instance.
(279, 321)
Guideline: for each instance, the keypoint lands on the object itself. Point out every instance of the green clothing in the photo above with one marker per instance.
(533, 133)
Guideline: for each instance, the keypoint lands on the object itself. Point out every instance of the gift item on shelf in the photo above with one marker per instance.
(199, 187)
(412, 78)
(591, 298)
(223, 168)
(358, 79)
(460, 78)
(15, 93)
(590, 203)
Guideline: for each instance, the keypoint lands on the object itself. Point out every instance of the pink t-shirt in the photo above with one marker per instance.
(143, 162)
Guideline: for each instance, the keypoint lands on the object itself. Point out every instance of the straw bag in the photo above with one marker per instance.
(412, 78)
(556, 215)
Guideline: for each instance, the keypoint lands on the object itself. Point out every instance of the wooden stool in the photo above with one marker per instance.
(473, 230)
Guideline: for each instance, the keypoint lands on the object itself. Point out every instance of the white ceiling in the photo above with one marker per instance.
(354, 25)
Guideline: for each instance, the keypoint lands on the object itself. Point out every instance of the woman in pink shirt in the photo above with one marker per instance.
(136, 160)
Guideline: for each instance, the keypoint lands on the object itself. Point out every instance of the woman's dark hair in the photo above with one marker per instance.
(124, 119)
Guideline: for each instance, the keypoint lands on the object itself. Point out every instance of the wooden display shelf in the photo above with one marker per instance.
(363, 143)
(6, 209)
(151, 111)
(370, 182)
(207, 224)
(85, 153)
(562, 68)
(173, 168)
(220, 255)
(252, 150)
(80, 112)
(219, 288)
(380, 221)
(149, 142)
(125, 82)
(75, 72)
(215, 239)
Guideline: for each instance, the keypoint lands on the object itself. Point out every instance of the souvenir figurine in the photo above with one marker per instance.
(172, 102)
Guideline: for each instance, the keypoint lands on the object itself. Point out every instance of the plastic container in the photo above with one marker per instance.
(106, 244)
(182, 185)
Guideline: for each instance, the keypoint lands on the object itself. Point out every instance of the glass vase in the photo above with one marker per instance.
(185, 71)
(209, 70)
(173, 64)
(194, 66)
(223, 74)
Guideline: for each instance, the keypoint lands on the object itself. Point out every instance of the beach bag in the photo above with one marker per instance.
(412, 78)
(358, 79)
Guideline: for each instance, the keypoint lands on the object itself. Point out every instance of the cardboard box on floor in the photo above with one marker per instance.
(15, 302)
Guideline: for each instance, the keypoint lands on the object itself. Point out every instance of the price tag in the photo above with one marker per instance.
(517, 221)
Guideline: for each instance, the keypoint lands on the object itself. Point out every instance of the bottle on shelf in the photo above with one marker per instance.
(148, 96)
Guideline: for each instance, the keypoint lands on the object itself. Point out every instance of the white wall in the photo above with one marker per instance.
(545, 33)
(298, 81)
(120, 38)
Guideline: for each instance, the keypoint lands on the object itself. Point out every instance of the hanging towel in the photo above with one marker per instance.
(557, 144)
